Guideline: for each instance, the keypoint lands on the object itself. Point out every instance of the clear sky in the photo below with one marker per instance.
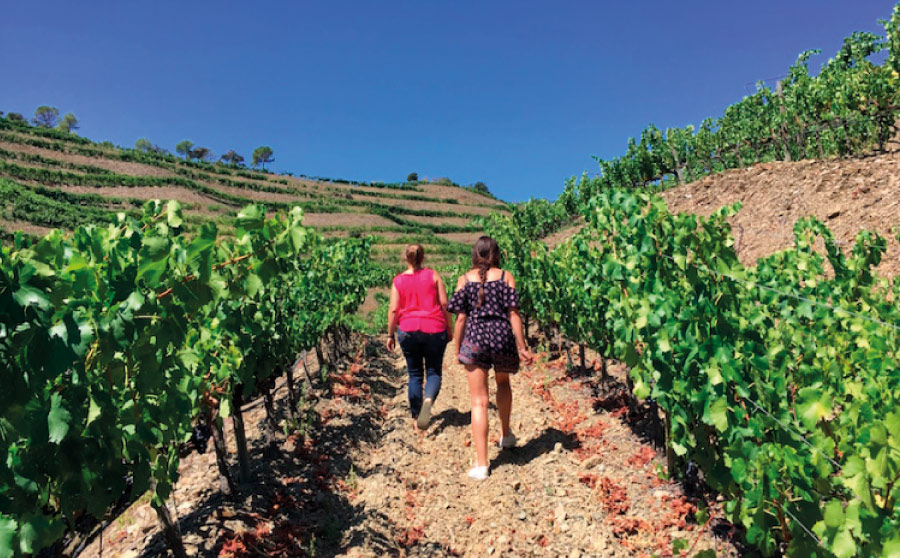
(518, 94)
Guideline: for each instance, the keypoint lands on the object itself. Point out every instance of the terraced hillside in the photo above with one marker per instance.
(51, 179)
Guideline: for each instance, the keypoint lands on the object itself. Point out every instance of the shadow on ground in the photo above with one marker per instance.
(293, 507)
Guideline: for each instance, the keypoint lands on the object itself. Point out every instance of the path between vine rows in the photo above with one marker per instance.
(581, 483)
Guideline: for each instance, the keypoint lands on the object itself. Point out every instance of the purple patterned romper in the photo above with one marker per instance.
(488, 339)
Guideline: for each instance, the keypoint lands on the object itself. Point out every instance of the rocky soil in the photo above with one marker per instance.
(585, 479)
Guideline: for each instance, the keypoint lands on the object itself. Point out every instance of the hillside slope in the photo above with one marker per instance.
(59, 180)
(849, 195)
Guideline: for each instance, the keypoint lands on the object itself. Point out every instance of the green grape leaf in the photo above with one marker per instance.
(891, 548)
(94, 411)
(58, 419)
(29, 296)
(812, 405)
(7, 536)
(718, 414)
(173, 214)
(153, 259)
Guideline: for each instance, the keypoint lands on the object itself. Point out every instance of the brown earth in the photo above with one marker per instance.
(580, 483)
(182, 195)
(119, 167)
(346, 220)
(847, 194)
(12, 226)
(455, 221)
(463, 237)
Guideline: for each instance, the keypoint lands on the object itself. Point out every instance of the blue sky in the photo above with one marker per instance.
(517, 94)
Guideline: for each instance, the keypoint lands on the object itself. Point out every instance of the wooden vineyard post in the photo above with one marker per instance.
(581, 356)
(226, 483)
(677, 162)
(170, 529)
(779, 90)
(819, 143)
(670, 453)
(320, 356)
(737, 152)
(270, 426)
(240, 434)
(292, 395)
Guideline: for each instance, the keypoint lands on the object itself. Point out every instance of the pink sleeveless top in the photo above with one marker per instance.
(420, 307)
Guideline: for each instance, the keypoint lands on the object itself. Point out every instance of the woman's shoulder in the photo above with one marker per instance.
(508, 278)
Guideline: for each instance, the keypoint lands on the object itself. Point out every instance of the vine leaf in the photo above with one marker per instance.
(7, 534)
(58, 419)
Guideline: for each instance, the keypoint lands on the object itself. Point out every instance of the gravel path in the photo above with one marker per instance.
(363, 483)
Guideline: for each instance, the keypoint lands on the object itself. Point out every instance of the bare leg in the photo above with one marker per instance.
(504, 401)
(478, 391)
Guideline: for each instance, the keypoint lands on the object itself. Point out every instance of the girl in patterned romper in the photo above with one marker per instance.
(488, 333)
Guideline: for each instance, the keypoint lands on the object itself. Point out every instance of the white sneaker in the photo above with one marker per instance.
(507, 442)
(478, 473)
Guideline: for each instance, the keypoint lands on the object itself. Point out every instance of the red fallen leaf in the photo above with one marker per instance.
(470, 520)
(644, 456)
(542, 541)
(627, 525)
(467, 443)
(589, 479)
(614, 496)
(410, 536)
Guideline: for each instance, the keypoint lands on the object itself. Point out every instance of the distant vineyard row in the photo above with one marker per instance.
(849, 107)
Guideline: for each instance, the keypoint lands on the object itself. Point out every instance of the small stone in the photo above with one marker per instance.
(660, 493)
(490, 550)
(523, 516)
(559, 513)
(575, 554)
(557, 448)
(591, 462)
(193, 538)
(502, 540)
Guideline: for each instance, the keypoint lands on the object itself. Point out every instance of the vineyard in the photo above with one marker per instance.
(778, 381)
(49, 165)
(131, 329)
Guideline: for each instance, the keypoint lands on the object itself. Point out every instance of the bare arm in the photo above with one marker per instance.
(392, 316)
(515, 320)
(442, 298)
(460, 326)
(458, 331)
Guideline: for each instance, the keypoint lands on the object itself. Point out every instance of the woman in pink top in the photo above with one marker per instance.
(418, 314)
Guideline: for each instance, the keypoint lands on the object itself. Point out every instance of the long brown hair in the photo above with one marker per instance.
(485, 255)
(415, 254)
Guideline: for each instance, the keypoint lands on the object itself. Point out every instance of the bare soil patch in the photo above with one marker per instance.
(255, 195)
(464, 196)
(118, 167)
(182, 195)
(463, 237)
(424, 206)
(363, 483)
(454, 221)
(346, 220)
(563, 235)
(12, 226)
(847, 194)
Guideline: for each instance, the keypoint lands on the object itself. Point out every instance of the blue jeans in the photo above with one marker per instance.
(419, 348)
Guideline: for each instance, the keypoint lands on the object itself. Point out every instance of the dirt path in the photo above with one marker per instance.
(362, 483)
(579, 484)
